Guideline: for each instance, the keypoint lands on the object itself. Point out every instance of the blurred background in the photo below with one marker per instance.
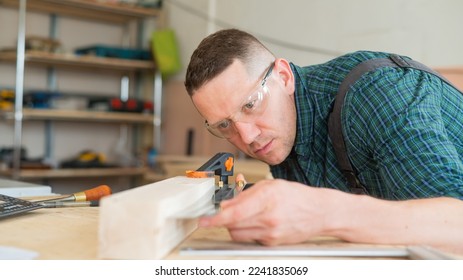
(303, 31)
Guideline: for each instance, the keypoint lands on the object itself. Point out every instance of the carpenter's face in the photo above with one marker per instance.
(256, 114)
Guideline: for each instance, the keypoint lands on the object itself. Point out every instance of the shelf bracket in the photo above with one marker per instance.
(18, 114)
(157, 110)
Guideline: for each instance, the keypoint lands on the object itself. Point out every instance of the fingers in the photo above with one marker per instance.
(261, 236)
(272, 212)
(246, 234)
(229, 215)
(240, 182)
(253, 230)
(240, 177)
(244, 206)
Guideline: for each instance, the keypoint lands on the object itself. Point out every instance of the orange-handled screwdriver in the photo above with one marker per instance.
(93, 194)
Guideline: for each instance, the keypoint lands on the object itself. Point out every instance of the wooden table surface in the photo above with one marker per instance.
(55, 233)
(72, 234)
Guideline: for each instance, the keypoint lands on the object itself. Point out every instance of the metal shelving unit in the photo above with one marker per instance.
(84, 9)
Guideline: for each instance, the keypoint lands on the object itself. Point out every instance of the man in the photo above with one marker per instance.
(403, 131)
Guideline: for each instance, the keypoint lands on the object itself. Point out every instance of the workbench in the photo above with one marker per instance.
(72, 234)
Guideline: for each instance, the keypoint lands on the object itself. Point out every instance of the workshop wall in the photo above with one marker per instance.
(314, 31)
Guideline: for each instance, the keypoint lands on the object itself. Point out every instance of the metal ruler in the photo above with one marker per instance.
(410, 252)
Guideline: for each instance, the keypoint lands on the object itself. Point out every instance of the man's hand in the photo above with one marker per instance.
(275, 212)
(272, 212)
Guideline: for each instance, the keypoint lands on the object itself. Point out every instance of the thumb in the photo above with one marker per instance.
(240, 182)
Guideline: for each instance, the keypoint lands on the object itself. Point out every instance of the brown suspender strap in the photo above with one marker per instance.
(334, 121)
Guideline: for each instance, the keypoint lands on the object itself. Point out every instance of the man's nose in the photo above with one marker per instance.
(247, 131)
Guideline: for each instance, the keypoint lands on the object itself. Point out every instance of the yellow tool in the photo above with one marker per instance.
(6, 99)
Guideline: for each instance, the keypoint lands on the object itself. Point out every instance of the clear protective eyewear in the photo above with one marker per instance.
(251, 108)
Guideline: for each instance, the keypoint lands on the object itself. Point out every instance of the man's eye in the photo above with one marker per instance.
(223, 125)
(249, 106)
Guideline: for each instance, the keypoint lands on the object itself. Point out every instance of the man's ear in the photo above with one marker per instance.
(284, 72)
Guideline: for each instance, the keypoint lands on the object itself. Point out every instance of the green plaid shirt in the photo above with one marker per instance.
(403, 130)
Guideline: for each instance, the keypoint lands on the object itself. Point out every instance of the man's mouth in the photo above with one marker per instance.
(264, 149)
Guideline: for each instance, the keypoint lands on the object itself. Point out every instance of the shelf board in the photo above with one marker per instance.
(84, 61)
(77, 172)
(107, 12)
(74, 115)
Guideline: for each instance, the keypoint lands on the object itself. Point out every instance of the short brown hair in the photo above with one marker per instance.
(218, 51)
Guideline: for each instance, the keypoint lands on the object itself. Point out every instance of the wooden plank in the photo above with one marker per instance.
(454, 74)
(450, 69)
(149, 221)
(92, 116)
(76, 115)
(78, 172)
(99, 11)
(84, 61)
